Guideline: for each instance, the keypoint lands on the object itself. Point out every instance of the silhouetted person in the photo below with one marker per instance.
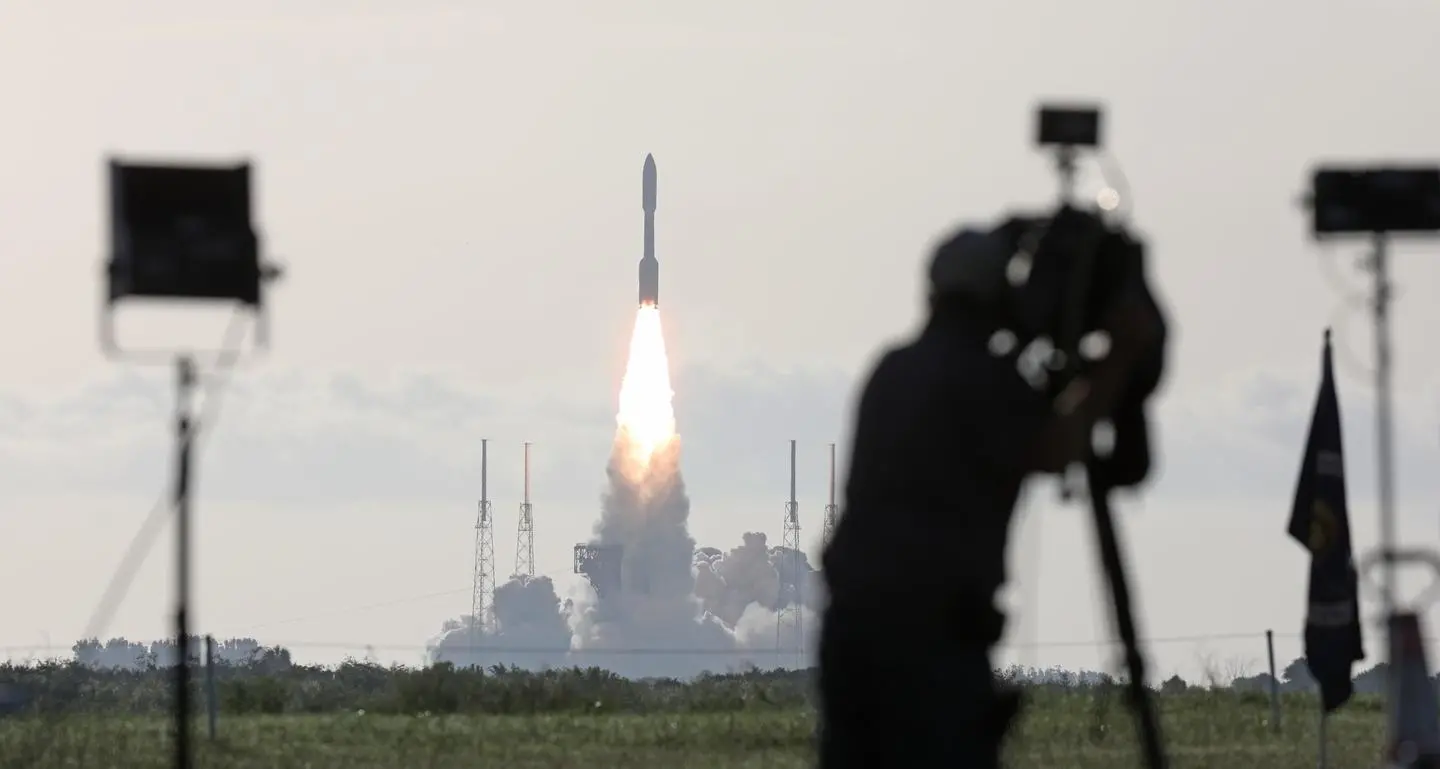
(945, 432)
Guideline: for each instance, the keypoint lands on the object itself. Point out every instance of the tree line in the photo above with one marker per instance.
(121, 653)
(250, 678)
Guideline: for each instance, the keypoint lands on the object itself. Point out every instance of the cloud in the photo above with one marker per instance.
(736, 425)
(1243, 438)
(340, 437)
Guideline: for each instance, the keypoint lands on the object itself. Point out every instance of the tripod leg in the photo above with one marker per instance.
(1146, 715)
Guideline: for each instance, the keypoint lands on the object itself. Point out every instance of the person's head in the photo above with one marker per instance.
(967, 275)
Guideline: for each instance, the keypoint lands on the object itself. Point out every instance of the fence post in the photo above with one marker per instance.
(1274, 683)
(212, 703)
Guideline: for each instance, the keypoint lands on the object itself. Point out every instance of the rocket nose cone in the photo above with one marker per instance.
(648, 184)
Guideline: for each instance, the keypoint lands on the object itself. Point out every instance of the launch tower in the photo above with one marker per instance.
(525, 533)
(601, 565)
(791, 580)
(829, 531)
(483, 596)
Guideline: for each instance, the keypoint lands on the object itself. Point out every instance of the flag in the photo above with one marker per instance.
(1320, 520)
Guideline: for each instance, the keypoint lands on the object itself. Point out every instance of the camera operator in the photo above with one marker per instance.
(945, 433)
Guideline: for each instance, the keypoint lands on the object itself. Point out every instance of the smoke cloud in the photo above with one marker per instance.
(528, 630)
(654, 605)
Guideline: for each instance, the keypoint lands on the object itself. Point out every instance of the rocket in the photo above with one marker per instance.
(649, 265)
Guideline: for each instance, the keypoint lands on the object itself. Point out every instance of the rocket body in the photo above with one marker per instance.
(649, 265)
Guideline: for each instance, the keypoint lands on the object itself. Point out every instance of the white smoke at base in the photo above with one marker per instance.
(667, 609)
(527, 629)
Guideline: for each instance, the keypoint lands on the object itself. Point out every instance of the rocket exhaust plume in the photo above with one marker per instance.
(646, 419)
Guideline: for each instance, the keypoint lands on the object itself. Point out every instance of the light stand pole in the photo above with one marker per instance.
(1390, 554)
(184, 439)
(1384, 422)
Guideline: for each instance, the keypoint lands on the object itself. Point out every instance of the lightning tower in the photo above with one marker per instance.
(525, 536)
(829, 530)
(791, 591)
(483, 597)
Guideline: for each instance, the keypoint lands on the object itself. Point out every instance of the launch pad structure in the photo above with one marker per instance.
(482, 601)
(830, 510)
(601, 565)
(525, 531)
(791, 581)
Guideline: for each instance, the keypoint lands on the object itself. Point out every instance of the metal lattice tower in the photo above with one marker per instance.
(791, 580)
(525, 536)
(482, 600)
(830, 508)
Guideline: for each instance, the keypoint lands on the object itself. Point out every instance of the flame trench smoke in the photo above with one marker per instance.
(658, 606)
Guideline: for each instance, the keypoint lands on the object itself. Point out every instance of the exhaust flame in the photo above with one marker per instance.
(646, 418)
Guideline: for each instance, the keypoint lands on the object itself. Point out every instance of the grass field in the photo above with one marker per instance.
(1209, 730)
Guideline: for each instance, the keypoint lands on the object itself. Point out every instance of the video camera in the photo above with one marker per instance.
(1051, 278)
(1074, 265)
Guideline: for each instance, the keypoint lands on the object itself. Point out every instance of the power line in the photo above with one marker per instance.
(357, 609)
(1077, 643)
(1260, 635)
(1163, 640)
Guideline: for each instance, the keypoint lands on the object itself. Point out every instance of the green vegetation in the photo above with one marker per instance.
(363, 716)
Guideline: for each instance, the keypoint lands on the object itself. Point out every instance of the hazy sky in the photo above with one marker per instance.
(454, 188)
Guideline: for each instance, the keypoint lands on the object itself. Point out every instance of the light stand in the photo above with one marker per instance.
(182, 233)
(1379, 202)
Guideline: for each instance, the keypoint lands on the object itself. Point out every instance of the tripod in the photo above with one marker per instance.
(1112, 564)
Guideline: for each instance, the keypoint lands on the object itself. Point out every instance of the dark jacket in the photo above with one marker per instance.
(942, 432)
